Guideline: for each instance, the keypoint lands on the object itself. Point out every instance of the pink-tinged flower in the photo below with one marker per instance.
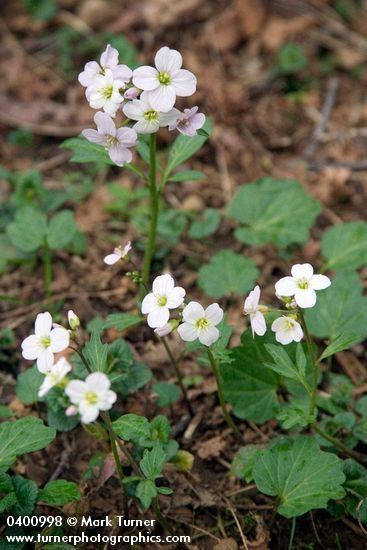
(117, 141)
(302, 285)
(109, 60)
(131, 93)
(166, 80)
(119, 253)
(71, 411)
(252, 308)
(148, 120)
(104, 93)
(45, 342)
(189, 122)
(287, 330)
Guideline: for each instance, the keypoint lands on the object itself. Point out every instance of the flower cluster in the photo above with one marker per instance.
(297, 292)
(87, 397)
(146, 96)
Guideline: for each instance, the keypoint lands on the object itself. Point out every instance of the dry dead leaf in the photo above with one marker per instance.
(226, 544)
(278, 30)
(252, 14)
(211, 447)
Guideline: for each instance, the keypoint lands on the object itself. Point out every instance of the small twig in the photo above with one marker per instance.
(330, 97)
(231, 509)
(357, 166)
(64, 458)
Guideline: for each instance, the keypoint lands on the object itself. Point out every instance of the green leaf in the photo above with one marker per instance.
(5, 412)
(292, 415)
(85, 151)
(185, 147)
(61, 230)
(96, 353)
(22, 436)
(273, 211)
(244, 461)
(167, 393)
(152, 462)
(26, 492)
(340, 311)
(57, 419)
(171, 225)
(7, 502)
(122, 321)
(28, 384)
(131, 427)
(59, 492)
(284, 365)
(28, 230)
(300, 475)
(291, 59)
(248, 384)
(200, 229)
(164, 490)
(146, 491)
(345, 246)
(160, 429)
(41, 10)
(340, 343)
(187, 175)
(227, 273)
(143, 149)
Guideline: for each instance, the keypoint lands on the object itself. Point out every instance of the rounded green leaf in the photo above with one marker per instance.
(28, 230)
(61, 230)
(345, 246)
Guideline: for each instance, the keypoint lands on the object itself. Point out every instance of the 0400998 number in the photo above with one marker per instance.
(34, 521)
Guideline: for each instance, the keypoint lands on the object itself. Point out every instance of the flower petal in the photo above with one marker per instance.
(163, 98)
(209, 336)
(163, 285)
(214, 314)
(258, 324)
(158, 317)
(166, 119)
(91, 70)
(94, 137)
(75, 390)
(123, 73)
(43, 324)
(175, 297)
(110, 57)
(107, 400)
(319, 282)
(305, 297)
(252, 300)
(192, 312)
(89, 413)
(32, 347)
(286, 286)
(45, 360)
(184, 83)
(97, 382)
(302, 271)
(60, 339)
(145, 78)
(167, 60)
(146, 126)
(134, 110)
(105, 124)
(127, 137)
(188, 332)
(297, 332)
(120, 155)
(149, 303)
(111, 259)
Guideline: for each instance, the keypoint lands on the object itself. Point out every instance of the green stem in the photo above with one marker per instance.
(48, 269)
(293, 530)
(154, 208)
(338, 445)
(314, 362)
(137, 171)
(222, 402)
(178, 374)
(112, 436)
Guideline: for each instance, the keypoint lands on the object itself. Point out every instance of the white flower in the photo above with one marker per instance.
(54, 376)
(104, 93)
(91, 396)
(74, 321)
(148, 119)
(119, 253)
(200, 323)
(117, 141)
(302, 285)
(252, 308)
(45, 342)
(287, 330)
(166, 80)
(167, 328)
(165, 296)
(109, 60)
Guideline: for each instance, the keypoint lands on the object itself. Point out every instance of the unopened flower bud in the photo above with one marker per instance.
(73, 319)
(71, 411)
(131, 93)
(167, 328)
(183, 461)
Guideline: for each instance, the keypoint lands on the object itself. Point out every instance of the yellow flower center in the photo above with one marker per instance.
(303, 284)
(107, 92)
(162, 301)
(289, 324)
(151, 116)
(202, 323)
(111, 141)
(45, 341)
(91, 398)
(164, 78)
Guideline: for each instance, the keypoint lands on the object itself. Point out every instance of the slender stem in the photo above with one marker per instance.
(226, 415)
(136, 171)
(293, 530)
(111, 433)
(48, 269)
(315, 364)
(154, 208)
(337, 444)
(178, 374)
